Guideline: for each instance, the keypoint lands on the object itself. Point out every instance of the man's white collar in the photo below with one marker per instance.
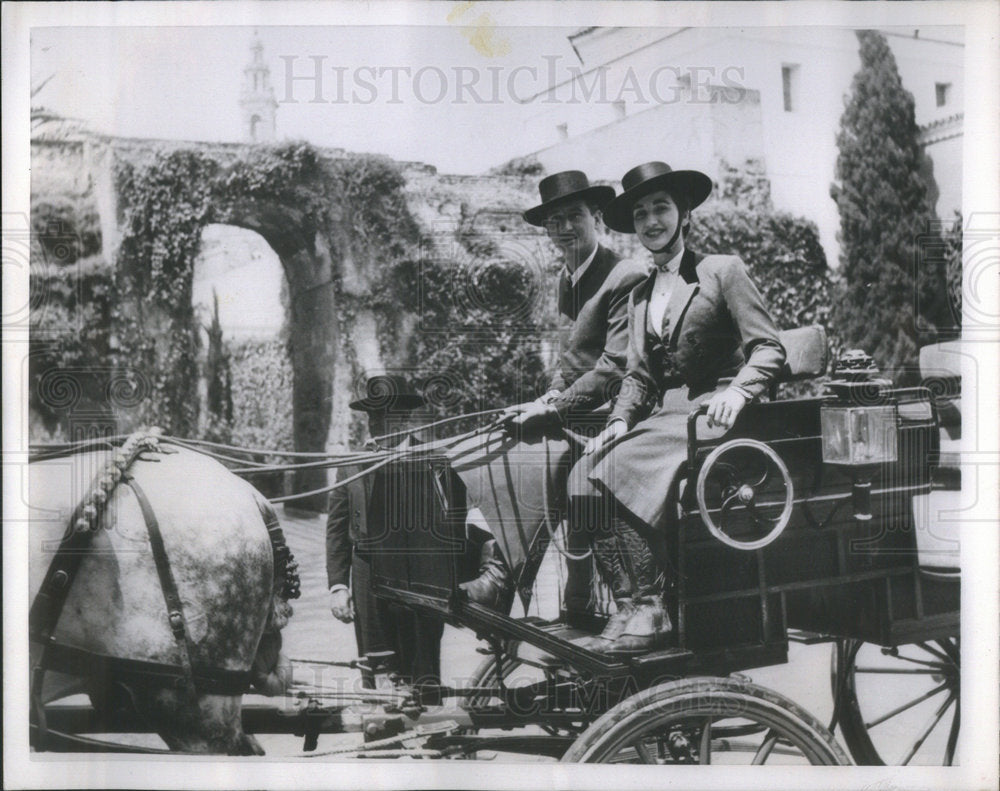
(575, 276)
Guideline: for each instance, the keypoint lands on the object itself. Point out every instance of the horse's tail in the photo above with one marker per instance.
(286, 570)
(271, 673)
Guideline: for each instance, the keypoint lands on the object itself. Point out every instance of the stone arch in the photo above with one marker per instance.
(294, 198)
(312, 304)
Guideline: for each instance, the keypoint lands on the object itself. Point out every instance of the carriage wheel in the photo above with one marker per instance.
(707, 721)
(744, 494)
(899, 705)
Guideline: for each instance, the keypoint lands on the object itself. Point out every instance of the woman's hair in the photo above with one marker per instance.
(683, 207)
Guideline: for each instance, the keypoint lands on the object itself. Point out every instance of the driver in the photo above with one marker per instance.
(697, 328)
(593, 293)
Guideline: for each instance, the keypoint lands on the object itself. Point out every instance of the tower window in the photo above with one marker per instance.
(942, 91)
(790, 87)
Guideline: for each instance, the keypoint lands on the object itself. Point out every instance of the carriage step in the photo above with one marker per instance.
(666, 656)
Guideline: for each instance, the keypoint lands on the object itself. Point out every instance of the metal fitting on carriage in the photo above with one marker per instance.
(176, 623)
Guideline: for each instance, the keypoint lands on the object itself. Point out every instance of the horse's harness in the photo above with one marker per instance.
(187, 676)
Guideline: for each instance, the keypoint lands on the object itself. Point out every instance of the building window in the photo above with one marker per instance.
(942, 90)
(790, 86)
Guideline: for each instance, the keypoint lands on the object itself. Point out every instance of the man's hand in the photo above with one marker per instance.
(341, 605)
(613, 430)
(724, 407)
(512, 412)
(535, 417)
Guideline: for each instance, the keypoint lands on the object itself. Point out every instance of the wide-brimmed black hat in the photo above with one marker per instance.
(561, 187)
(388, 393)
(693, 185)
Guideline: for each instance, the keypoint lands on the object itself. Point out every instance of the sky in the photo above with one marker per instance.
(462, 113)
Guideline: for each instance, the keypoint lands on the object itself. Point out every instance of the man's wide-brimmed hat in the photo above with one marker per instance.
(693, 185)
(388, 393)
(561, 187)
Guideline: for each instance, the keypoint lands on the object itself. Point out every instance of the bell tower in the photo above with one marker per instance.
(257, 102)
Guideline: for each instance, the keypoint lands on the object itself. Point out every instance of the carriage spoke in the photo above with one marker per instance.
(951, 649)
(763, 478)
(944, 657)
(905, 706)
(730, 499)
(765, 748)
(937, 665)
(705, 748)
(923, 737)
(949, 751)
(758, 520)
(645, 756)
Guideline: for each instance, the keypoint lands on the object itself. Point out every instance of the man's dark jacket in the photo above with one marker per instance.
(592, 359)
(378, 626)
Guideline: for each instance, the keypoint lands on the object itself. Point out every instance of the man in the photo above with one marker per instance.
(378, 626)
(593, 294)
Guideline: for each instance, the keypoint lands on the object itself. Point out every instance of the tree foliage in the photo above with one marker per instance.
(218, 376)
(782, 253)
(884, 213)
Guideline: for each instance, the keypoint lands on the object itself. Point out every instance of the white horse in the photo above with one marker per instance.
(214, 529)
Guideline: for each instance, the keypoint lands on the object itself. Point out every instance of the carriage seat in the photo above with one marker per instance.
(807, 353)
(941, 371)
(937, 529)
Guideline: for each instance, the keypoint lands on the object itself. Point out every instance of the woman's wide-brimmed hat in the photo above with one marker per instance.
(693, 185)
(388, 393)
(561, 187)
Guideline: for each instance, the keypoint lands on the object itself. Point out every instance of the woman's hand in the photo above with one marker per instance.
(341, 605)
(724, 407)
(612, 431)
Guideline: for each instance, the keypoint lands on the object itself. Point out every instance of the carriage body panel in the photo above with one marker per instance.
(828, 572)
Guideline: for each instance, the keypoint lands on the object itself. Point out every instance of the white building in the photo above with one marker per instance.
(695, 97)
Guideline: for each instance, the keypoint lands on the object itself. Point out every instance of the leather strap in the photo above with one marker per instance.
(171, 596)
(79, 661)
(48, 602)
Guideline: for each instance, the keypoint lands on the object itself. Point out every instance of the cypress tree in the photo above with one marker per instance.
(219, 376)
(884, 213)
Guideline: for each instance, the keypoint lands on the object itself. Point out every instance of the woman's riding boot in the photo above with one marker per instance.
(641, 623)
(608, 557)
(649, 623)
(494, 587)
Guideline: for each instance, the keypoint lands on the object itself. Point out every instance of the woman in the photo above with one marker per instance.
(693, 323)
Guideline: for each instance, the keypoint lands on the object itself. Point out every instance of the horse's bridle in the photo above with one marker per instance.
(188, 677)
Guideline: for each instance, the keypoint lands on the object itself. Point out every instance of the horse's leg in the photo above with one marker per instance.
(210, 724)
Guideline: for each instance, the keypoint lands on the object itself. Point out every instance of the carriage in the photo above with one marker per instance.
(808, 522)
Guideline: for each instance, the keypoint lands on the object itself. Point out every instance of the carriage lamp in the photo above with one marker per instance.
(858, 425)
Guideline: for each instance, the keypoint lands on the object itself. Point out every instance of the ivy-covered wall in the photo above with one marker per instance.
(387, 266)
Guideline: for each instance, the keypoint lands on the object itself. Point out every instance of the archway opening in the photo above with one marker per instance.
(240, 297)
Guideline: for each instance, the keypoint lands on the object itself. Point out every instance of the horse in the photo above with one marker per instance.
(115, 636)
